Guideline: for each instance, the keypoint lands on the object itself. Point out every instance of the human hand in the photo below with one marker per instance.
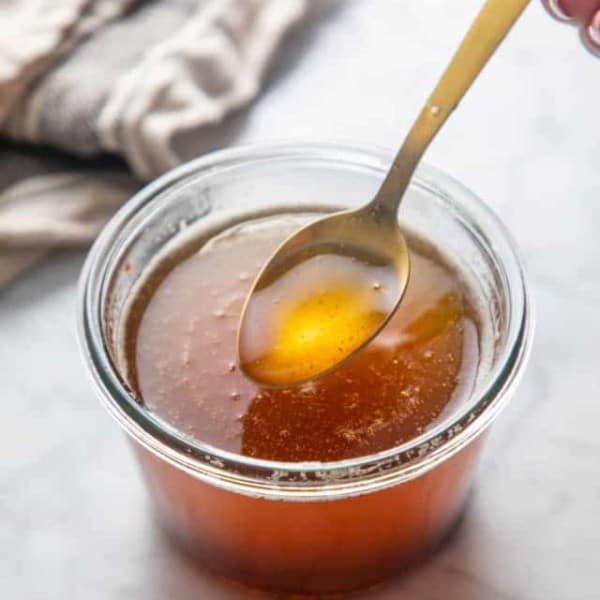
(583, 13)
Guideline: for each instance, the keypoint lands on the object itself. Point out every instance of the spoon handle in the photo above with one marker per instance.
(487, 31)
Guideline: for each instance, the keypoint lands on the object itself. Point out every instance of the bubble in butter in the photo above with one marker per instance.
(312, 317)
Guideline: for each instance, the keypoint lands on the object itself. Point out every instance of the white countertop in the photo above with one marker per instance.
(74, 518)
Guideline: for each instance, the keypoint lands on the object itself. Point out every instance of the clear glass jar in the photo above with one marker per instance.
(305, 527)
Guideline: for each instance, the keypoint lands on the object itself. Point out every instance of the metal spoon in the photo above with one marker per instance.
(372, 233)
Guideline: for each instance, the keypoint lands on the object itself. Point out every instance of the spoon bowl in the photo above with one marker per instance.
(378, 256)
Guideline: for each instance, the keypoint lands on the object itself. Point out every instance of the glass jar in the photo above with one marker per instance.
(305, 527)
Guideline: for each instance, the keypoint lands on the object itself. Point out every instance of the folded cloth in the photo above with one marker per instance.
(129, 77)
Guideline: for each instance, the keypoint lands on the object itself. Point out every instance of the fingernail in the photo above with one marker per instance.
(557, 11)
(591, 34)
(594, 29)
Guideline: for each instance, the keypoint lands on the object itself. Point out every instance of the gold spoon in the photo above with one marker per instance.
(286, 354)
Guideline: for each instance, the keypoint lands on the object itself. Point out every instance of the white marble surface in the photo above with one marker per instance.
(74, 521)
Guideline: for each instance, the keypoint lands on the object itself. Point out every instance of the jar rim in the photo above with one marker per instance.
(303, 480)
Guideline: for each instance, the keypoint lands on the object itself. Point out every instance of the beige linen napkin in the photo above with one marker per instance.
(126, 77)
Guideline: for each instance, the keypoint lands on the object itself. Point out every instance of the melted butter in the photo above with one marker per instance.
(312, 317)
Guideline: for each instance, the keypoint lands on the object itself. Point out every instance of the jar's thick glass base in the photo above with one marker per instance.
(302, 586)
(311, 547)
